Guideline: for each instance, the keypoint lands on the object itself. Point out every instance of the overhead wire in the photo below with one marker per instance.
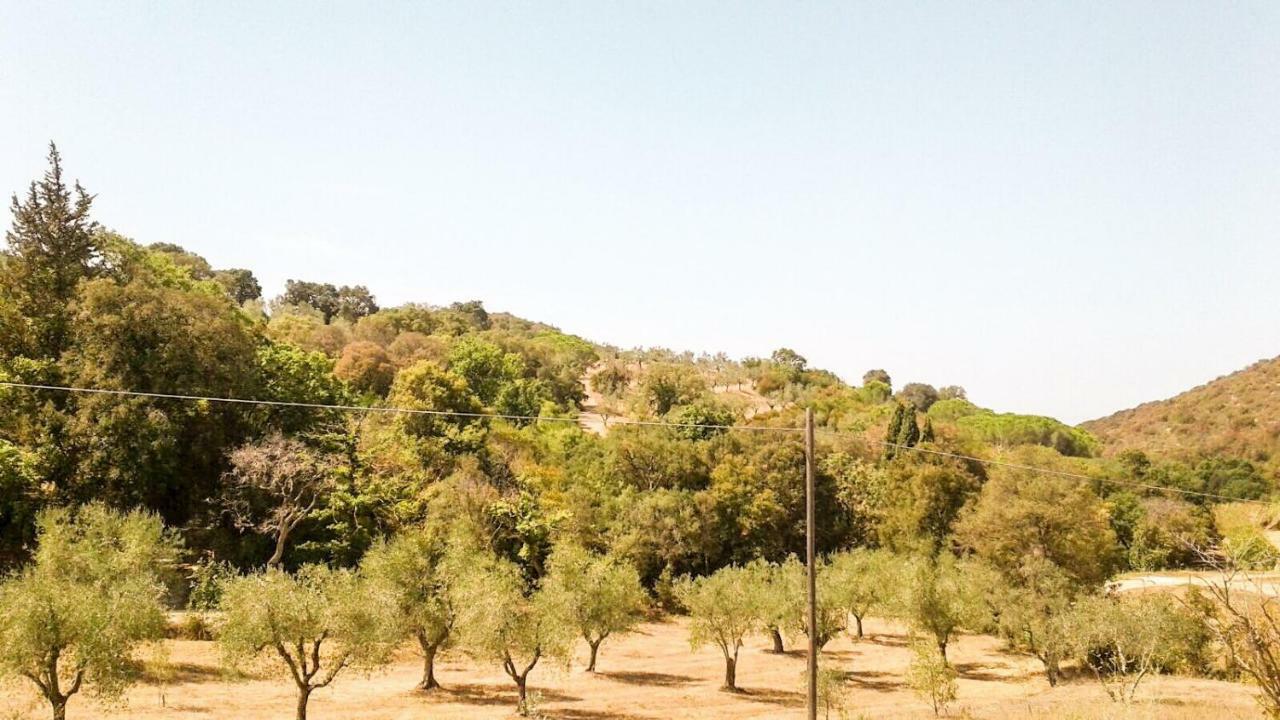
(625, 422)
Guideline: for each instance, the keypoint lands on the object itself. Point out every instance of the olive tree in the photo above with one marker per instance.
(274, 485)
(861, 582)
(502, 622)
(417, 571)
(1123, 639)
(723, 609)
(603, 595)
(313, 625)
(778, 602)
(937, 599)
(1240, 614)
(74, 616)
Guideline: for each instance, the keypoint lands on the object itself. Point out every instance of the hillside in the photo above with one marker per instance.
(1237, 416)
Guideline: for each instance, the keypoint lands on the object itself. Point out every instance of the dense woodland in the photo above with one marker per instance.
(297, 504)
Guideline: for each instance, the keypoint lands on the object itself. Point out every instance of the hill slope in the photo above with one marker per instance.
(1237, 415)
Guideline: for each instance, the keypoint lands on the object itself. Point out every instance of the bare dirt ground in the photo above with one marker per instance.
(742, 396)
(653, 674)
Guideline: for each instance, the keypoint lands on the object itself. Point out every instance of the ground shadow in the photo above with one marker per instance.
(184, 673)
(784, 698)
(989, 672)
(648, 678)
(872, 680)
(576, 714)
(479, 694)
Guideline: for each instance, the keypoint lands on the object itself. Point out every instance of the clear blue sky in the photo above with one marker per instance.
(1067, 208)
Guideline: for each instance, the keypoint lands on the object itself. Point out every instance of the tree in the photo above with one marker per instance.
(503, 623)
(862, 581)
(72, 618)
(315, 624)
(52, 245)
(612, 380)
(603, 595)
(922, 498)
(909, 433)
(417, 571)
(425, 386)
(1243, 616)
(664, 386)
(780, 602)
(952, 392)
(355, 302)
(1125, 638)
(1022, 515)
(240, 284)
(919, 395)
(893, 432)
(877, 376)
(937, 599)
(366, 367)
(274, 485)
(931, 677)
(792, 361)
(723, 609)
(321, 296)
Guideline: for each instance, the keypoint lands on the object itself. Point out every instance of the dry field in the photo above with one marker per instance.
(653, 674)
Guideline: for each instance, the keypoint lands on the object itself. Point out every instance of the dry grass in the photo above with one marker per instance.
(653, 674)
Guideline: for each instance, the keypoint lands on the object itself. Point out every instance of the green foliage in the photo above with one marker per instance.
(861, 582)
(877, 376)
(1123, 639)
(603, 595)
(485, 367)
(290, 374)
(937, 599)
(612, 380)
(1168, 534)
(665, 386)
(1009, 429)
(425, 386)
(723, 608)
(420, 574)
(923, 497)
(952, 409)
(311, 625)
(502, 623)
(931, 677)
(701, 413)
(1021, 516)
(73, 618)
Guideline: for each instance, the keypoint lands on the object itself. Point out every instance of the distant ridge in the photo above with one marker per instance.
(1237, 415)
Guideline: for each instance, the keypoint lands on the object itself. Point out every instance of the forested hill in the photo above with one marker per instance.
(1237, 415)
(87, 308)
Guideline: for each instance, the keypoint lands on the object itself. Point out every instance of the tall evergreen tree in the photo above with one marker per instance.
(926, 430)
(909, 434)
(894, 430)
(52, 246)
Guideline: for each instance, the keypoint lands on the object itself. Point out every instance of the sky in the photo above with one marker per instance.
(1067, 208)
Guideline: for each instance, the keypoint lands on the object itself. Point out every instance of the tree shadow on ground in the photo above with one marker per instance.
(990, 672)
(184, 673)
(648, 678)
(479, 694)
(884, 639)
(872, 680)
(785, 698)
(577, 714)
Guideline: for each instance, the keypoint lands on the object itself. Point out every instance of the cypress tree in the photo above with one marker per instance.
(926, 430)
(910, 433)
(894, 430)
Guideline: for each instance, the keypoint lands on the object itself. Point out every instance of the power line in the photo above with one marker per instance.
(1056, 473)
(639, 423)
(381, 408)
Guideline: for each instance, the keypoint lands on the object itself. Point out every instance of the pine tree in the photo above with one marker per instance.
(52, 246)
(894, 430)
(910, 433)
(926, 430)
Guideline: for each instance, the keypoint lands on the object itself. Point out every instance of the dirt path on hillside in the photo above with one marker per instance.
(742, 396)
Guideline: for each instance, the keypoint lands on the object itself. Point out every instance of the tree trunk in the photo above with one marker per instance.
(278, 556)
(59, 708)
(1051, 670)
(858, 620)
(777, 640)
(428, 667)
(942, 649)
(595, 647)
(730, 674)
(523, 689)
(304, 694)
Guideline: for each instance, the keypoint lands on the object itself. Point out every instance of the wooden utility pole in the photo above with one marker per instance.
(811, 562)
